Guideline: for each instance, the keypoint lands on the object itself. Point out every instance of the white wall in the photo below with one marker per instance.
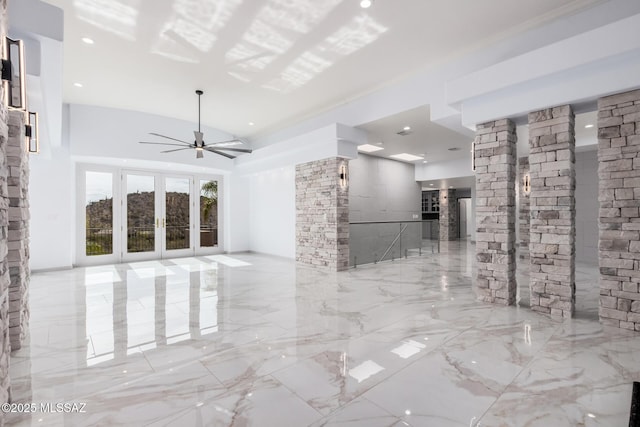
(51, 198)
(237, 209)
(108, 133)
(272, 212)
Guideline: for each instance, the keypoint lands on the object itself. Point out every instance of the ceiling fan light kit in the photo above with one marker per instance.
(199, 144)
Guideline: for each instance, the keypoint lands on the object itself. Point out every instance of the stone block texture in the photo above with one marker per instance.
(5, 345)
(619, 219)
(17, 159)
(553, 216)
(523, 209)
(448, 220)
(322, 214)
(495, 157)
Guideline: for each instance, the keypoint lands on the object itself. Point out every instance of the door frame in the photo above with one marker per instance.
(119, 212)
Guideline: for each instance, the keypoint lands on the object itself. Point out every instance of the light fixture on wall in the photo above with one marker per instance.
(526, 184)
(473, 156)
(32, 133)
(366, 4)
(15, 90)
(343, 176)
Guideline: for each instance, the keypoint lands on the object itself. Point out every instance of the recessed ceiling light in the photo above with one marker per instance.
(406, 157)
(431, 185)
(591, 415)
(589, 126)
(451, 186)
(424, 161)
(407, 128)
(368, 148)
(87, 40)
(365, 4)
(77, 84)
(251, 123)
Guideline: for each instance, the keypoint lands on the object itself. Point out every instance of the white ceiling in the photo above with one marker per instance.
(426, 139)
(271, 62)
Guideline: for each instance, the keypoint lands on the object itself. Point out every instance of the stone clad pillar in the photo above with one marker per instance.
(523, 208)
(5, 345)
(322, 213)
(553, 215)
(448, 219)
(18, 187)
(495, 159)
(619, 219)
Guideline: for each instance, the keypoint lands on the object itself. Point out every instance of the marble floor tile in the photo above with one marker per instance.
(253, 340)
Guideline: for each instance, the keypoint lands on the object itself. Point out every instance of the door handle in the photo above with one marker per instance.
(163, 223)
(157, 222)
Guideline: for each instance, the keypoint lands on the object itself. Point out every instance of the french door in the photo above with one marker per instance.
(157, 216)
(135, 215)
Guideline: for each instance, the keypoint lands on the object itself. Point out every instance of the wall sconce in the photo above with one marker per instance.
(31, 132)
(473, 156)
(343, 176)
(526, 184)
(13, 67)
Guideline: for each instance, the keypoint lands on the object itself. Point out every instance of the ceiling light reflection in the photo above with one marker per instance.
(408, 348)
(360, 32)
(365, 370)
(117, 17)
(194, 24)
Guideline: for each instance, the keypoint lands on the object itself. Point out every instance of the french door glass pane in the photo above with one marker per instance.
(177, 213)
(208, 213)
(140, 213)
(99, 212)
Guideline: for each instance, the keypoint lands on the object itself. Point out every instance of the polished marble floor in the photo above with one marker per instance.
(252, 340)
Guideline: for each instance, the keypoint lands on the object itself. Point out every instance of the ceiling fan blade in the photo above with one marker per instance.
(177, 149)
(239, 150)
(198, 136)
(160, 143)
(211, 150)
(236, 141)
(199, 154)
(168, 137)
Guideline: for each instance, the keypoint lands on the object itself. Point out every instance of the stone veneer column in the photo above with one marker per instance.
(523, 209)
(553, 215)
(619, 219)
(322, 214)
(495, 159)
(18, 186)
(448, 219)
(5, 345)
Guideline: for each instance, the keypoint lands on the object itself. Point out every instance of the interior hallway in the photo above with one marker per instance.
(248, 339)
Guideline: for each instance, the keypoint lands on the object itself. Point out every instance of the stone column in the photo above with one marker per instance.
(523, 209)
(553, 215)
(495, 158)
(18, 186)
(448, 220)
(322, 213)
(619, 221)
(5, 345)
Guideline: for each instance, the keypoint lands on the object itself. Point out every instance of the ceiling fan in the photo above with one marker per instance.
(199, 144)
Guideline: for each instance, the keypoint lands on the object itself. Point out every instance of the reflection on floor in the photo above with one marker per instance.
(255, 340)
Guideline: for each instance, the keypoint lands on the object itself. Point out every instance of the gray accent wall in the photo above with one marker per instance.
(587, 207)
(382, 190)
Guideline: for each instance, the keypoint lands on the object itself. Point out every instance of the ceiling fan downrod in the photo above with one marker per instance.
(199, 93)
